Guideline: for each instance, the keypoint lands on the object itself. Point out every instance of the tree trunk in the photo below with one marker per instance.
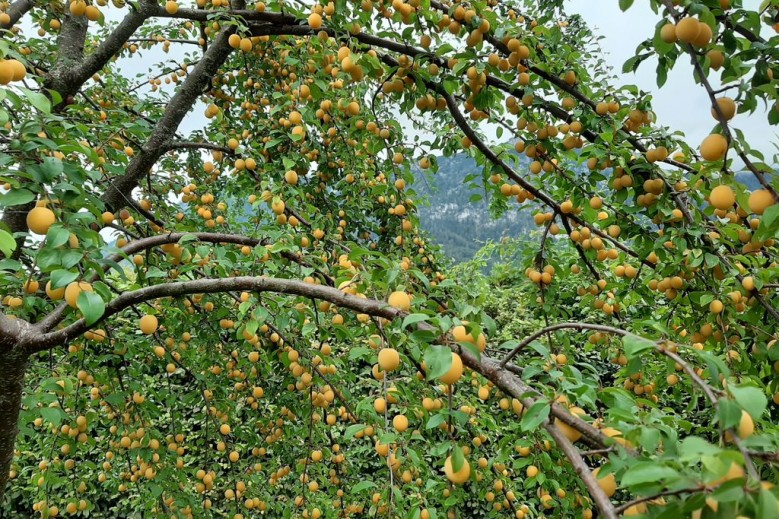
(13, 364)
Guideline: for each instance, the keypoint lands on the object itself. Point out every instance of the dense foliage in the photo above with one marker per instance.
(243, 318)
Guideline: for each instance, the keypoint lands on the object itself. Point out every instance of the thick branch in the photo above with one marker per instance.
(69, 79)
(55, 317)
(116, 194)
(43, 341)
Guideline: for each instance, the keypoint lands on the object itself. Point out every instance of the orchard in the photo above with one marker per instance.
(217, 300)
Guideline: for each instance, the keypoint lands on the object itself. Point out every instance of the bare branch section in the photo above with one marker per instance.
(69, 80)
(192, 145)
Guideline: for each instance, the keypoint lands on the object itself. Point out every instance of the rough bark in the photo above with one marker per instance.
(13, 364)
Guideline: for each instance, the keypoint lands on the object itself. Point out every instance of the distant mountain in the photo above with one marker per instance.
(458, 216)
(459, 222)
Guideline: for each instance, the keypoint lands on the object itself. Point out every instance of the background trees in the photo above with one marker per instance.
(200, 302)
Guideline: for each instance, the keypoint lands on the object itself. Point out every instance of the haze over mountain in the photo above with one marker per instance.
(460, 225)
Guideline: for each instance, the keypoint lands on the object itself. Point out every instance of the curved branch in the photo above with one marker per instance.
(55, 317)
(555, 327)
(43, 341)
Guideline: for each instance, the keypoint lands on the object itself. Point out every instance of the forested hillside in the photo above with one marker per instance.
(456, 212)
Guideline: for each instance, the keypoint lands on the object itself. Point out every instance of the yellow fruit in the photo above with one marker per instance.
(31, 286)
(234, 41)
(400, 423)
(93, 13)
(18, 68)
(568, 431)
(608, 483)
(668, 33)
(460, 334)
(722, 197)
(73, 290)
(638, 509)
(55, 294)
(531, 471)
(6, 72)
(224, 429)
(746, 427)
(171, 7)
(315, 21)
(716, 307)
(688, 30)
(704, 35)
(455, 370)
(39, 219)
(291, 177)
(714, 147)
(389, 359)
(459, 477)
(727, 106)
(716, 59)
(78, 7)
(760, 200)
(399, 300)
(148, 324)
(734, 472)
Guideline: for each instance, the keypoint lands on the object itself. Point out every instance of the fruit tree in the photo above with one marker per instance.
(217, 300)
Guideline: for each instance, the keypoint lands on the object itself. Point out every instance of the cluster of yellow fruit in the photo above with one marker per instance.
(688, 30)
(11, 70)
(544, 277)
(80, 8)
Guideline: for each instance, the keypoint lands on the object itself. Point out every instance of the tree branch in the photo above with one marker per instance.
(115, 196)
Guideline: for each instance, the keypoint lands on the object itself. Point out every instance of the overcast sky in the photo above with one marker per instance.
(681, 104)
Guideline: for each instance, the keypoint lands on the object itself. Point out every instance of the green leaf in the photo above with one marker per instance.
(7, 243)
(362, 485)
(39, 101)
(413, 318)
(91, 305)
(16, 197)
(647, 472)
(61, 278)
(52, 415)
(624, 5)
(729, 413)
(438, 359)
(693, 447)
(767, 505)
(751, 399)
(634, 345)
(57, 236)
(537, 413)
(458, 458)
(435, 421)
(353, 429)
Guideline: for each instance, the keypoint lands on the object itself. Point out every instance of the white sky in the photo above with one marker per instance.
(681, 104)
